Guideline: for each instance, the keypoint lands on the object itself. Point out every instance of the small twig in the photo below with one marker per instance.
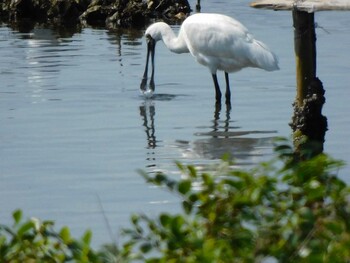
(321, 27)
(303, 243)
(109, 228)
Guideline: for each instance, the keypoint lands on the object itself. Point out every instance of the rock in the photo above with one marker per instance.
(33, 9)
(124, 13)
(66, 11)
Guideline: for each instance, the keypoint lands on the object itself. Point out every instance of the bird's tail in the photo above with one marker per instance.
(262, 57)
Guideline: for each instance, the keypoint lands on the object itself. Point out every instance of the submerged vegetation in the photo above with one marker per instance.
(284, 210)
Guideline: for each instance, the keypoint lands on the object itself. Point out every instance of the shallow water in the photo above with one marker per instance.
(75, 128)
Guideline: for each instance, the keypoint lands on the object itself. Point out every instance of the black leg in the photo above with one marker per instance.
(217, 89)
(228, 92)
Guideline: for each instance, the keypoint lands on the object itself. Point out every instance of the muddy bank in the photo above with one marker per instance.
(109, 13)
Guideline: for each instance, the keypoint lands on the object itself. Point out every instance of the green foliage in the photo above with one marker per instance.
(36, 241)
(284, 210)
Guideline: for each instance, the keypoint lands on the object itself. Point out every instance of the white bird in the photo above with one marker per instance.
(216, 41)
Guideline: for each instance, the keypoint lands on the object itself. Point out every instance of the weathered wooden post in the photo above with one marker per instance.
(308, 124)
(305, 51)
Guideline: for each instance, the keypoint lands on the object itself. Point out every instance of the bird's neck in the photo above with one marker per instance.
(174, 43)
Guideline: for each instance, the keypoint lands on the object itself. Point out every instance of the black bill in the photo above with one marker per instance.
(151, 44)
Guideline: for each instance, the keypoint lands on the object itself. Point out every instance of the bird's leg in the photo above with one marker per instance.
(217, 89)
(198, 6)
(228, 92)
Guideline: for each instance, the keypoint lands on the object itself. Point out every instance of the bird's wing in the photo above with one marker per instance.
(216, 35)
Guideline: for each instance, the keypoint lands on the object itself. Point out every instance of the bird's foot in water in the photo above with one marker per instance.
(143, 85)
(147, 91)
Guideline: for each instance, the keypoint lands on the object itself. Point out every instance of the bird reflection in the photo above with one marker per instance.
(217, 119)
(147, 112)
(224, 138)
(214, 141)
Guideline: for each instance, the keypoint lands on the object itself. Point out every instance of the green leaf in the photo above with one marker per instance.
(180, 166)
(207, 179)
(26, 227)
(284, 150)
(17, 215)
(65, 235)
(187, 206)
(146, 247)
(176, 224)
(135, 219)
(192, 171)
(335, 227)
(193, 197)
(184, 187)
(160, 178)
(165, 219)
(226, 157)
(36, 223)
(87, 237)
(315, 190)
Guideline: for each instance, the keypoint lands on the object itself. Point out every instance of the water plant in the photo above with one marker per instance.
(33, 240)
(284, 210)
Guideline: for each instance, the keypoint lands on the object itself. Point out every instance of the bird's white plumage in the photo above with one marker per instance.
(216, 41)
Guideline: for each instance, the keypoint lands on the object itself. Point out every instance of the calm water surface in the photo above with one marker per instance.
(74, 127)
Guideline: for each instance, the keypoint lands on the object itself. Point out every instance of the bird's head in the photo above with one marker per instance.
(156, 30)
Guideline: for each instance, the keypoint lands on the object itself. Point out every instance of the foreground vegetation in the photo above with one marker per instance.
(285, 210)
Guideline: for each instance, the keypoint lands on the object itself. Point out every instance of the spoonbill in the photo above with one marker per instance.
(216, 41)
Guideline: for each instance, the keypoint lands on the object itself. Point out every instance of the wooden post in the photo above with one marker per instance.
(305, 51)
(308, 124)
